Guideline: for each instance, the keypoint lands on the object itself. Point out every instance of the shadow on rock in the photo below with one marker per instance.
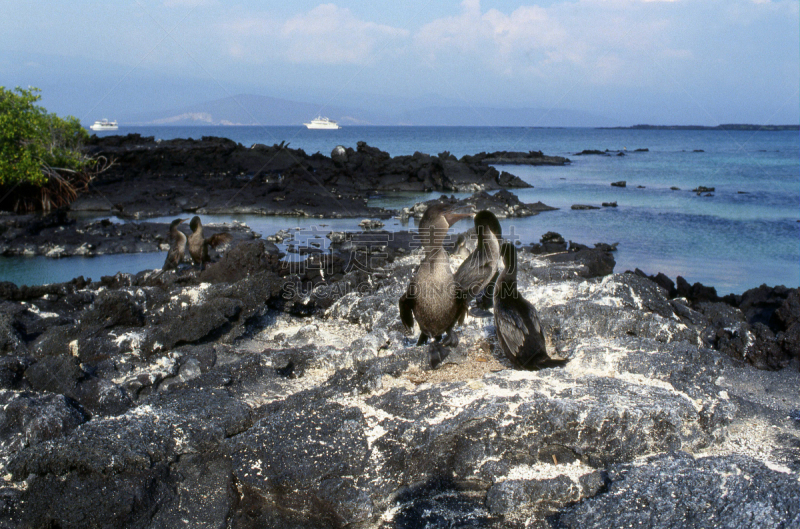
(439, 503)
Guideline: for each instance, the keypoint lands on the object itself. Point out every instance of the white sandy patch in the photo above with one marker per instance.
(194, 295)
(160, 368)
(778, 468)
(34, 309)
(55, 251)
(373, 417)
(551, 294)
(133, 341)
(606, 366)
(141, 410)
(288, 331)
(541, 471)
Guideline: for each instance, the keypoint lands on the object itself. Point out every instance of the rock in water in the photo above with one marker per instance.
(370, 224)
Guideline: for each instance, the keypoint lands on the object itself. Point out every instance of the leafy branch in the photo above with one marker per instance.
(42, 163)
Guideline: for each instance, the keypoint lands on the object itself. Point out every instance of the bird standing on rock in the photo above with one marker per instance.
(516, 321)
(433, 297)
(177, 247)
(198, 244)
(479, 268)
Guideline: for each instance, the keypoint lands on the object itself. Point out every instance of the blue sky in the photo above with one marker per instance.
(637, 61)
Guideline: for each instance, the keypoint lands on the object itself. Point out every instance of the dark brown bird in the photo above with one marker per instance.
(198, 244)
(516, 321)
(177, 247)
(480, 267)
(432, 297)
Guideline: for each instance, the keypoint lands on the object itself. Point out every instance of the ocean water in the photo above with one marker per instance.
(744, 235)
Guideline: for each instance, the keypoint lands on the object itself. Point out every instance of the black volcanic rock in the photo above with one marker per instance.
(549, 243)
(589, 262)
(696, 293)
(592, 151)
(785, 321)
(516, 158)
(89, 238)
(502, 203)
(266, 393)
(760, 305)
(216, 176)
(310, 459)
(760, 327)
(552, 237)
(28, 420)
(756, 495)
(666, 283)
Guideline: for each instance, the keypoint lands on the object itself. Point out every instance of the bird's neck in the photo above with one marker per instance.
(490, 245)
(508, 277)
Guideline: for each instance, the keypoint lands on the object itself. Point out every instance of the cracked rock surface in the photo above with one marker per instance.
(249, 395)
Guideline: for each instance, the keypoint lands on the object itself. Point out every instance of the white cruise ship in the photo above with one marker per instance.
(322, 123)
(104, 124)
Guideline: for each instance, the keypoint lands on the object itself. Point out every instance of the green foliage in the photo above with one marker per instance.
(36, 146)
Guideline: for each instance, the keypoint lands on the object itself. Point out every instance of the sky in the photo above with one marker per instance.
(679, 62)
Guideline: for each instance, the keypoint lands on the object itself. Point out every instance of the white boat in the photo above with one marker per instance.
(104, 124)
(322, 123)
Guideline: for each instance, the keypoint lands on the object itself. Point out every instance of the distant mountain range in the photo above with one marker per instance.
(247, 109)
(91, 89)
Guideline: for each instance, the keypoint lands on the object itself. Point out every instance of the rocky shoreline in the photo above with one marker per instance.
(57, 235)
(502, 204)
(266, 393)
(151, 178)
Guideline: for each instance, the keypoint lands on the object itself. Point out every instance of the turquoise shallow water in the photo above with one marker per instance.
(744, 235)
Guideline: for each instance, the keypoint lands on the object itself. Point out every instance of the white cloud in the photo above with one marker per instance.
(188, 3)
(599, 38)
(496, 37)
(333, 35)
(327, 34)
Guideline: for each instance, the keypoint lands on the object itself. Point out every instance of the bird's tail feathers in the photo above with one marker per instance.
(534, 363)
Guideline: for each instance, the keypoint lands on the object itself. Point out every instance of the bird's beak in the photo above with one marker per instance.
(455, 215)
